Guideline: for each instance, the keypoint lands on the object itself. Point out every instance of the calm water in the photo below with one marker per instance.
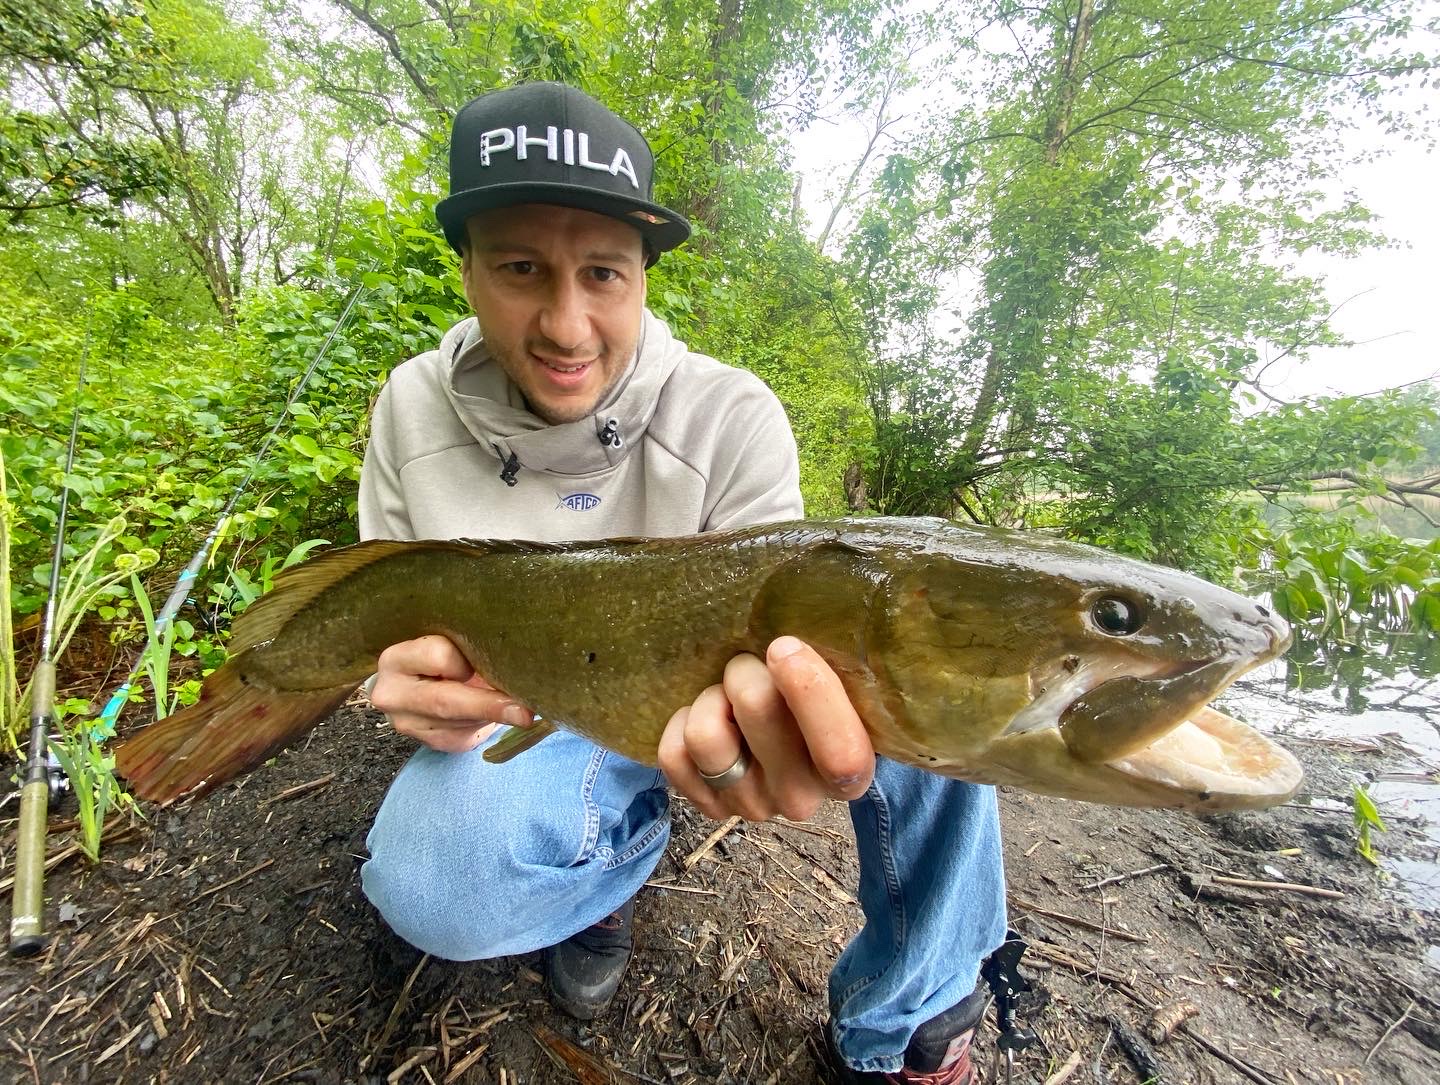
(1401, 705)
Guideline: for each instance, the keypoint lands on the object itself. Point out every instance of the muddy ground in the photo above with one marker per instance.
(227, 941)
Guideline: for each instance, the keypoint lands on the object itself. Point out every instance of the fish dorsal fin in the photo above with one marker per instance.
(296, 587)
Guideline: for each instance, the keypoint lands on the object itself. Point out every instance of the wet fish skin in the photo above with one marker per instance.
(972, 652)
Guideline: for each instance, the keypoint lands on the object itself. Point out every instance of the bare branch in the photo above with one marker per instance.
(392, 43)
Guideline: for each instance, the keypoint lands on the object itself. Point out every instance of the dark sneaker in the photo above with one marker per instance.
(938, 1054)
(585, 969)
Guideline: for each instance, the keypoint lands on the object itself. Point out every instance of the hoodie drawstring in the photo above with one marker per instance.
(610, 435)
(509, 467)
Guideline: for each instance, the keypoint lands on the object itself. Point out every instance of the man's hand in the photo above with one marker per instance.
(431, 693)
(805, 739)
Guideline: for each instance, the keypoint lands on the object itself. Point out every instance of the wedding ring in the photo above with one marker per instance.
(731, 776)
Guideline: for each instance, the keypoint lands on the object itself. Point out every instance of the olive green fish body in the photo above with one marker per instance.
(993, 656)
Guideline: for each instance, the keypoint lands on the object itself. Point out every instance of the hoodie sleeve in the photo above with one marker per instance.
(755, 478)
(383, 514)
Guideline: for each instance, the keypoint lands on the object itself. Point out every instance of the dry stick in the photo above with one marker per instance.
(682, 888)
(1126, 988)
(778, 822)
(401, 1001)
(1024, 905)
(710, 842)
(122, 1043)
(233, 881)
(1289, 887)
(467, 1061)
(1066, 1069)
(1224, 1056)
(298, 789)
(1386, 1034)
(424, 1055)
(1126, 877)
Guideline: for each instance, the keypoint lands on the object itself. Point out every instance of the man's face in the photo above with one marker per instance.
(559, 294)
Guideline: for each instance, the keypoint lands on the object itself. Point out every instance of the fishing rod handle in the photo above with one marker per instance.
(27, 902)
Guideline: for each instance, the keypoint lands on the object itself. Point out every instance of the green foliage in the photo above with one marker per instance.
(1367, 822)
(1123, 187)
(91, 772)
(84, 581)
(1361, 601)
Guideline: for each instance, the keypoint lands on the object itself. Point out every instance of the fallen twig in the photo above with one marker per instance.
(1066, 1069)
(710, 841)
(233, 881)
(1024, 905)
(588, 1069)
(1288, 887)
(401, 1001)
(468, 1060)
(298, 789)
(1126, 877)
(425, 1054)
(1386, 1034)
(682, 888)
(1128, 989)
(122, 1043)
(54, 859)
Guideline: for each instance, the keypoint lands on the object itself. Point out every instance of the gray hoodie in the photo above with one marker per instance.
(681, 444)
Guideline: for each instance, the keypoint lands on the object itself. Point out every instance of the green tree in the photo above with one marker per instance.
(1120, 185)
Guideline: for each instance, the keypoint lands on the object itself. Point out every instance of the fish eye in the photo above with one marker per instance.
(1115, 616)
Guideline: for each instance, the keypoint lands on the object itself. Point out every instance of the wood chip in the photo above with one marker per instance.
(1067, 1068)
(120, 1044)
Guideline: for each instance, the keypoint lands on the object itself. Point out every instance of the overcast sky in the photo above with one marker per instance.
(1389, 299)
(1394, 317)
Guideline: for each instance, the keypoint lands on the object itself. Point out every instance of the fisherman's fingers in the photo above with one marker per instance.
(705, 738)
(444, 738)
(783, 768)
(433, 656)
(678, 762)
(839, 745)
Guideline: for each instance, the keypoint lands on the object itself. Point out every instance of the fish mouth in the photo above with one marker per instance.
(1222, 763)
(1152, 722)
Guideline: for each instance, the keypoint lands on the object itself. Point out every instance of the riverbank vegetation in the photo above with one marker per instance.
(1045, 292)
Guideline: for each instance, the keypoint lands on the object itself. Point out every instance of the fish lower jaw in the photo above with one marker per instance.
(1224, 763)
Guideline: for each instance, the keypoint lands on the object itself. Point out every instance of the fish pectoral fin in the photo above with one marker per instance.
(518, 740)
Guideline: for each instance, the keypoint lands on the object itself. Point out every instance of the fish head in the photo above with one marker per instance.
(1070, 670)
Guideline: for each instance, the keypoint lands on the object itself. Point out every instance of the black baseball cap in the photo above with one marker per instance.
(550, 143)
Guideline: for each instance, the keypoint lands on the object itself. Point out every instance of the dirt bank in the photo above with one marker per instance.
(228, 942)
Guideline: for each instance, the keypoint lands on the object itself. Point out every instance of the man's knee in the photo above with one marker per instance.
(480, 899)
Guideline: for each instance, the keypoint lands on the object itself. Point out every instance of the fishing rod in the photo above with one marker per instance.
(27, 903)
(104, 725)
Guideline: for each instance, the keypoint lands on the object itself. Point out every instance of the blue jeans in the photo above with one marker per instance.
(471, 860)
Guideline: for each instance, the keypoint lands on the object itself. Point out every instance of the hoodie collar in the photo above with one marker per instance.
(494, 410)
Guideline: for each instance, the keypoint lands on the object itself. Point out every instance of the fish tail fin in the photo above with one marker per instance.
(231, 729)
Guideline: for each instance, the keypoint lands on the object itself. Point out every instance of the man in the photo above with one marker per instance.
(565, 411)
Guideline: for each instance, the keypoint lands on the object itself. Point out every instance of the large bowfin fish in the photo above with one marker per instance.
(983, 654)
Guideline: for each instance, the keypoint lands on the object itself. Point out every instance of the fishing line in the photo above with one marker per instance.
(104, 724)
(27, 912)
